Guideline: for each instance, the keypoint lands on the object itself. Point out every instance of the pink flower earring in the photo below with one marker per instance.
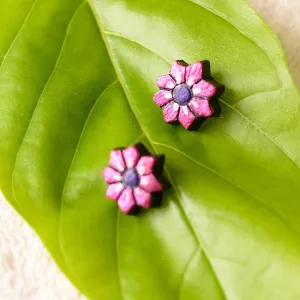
(134, 178)
(187, 94)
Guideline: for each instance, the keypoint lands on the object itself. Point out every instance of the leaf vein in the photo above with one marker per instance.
(270, 138)
(103, 92)
(18, 33)
(185, 269)
(241, 31)
(42, 93)
(268, 207)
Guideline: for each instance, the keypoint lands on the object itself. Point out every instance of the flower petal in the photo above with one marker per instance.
(150, 183)
(178, 72)
(194, 73)
(142, 197)
(162, 97)
(204, 89)
(171, 113)
(114, 191)
(126, 201)
(111, 175)
(166, 82)
(146, 165)
(131, 156)
(116, 160)
(201, 107)
(186, 117)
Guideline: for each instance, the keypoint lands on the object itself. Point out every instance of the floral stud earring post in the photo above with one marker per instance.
(134, 178)
(187, 94)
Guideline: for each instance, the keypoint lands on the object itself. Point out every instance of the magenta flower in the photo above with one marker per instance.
(186, 93)
(134, 180)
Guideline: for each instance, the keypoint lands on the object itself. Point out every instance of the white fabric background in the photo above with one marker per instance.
(26, 270)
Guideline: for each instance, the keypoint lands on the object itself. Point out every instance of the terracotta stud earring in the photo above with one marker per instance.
(188, 94)
(134, 178)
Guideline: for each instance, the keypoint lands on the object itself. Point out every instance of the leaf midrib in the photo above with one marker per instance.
(104, 33)
(40, 96)
(183, 214)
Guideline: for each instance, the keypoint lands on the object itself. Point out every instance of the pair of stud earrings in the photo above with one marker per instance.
(188, 95)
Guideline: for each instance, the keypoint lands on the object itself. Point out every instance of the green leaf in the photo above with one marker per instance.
(77, 79)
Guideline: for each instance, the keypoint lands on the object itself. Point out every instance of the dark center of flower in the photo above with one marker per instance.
(131, 178)
(182, 94)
